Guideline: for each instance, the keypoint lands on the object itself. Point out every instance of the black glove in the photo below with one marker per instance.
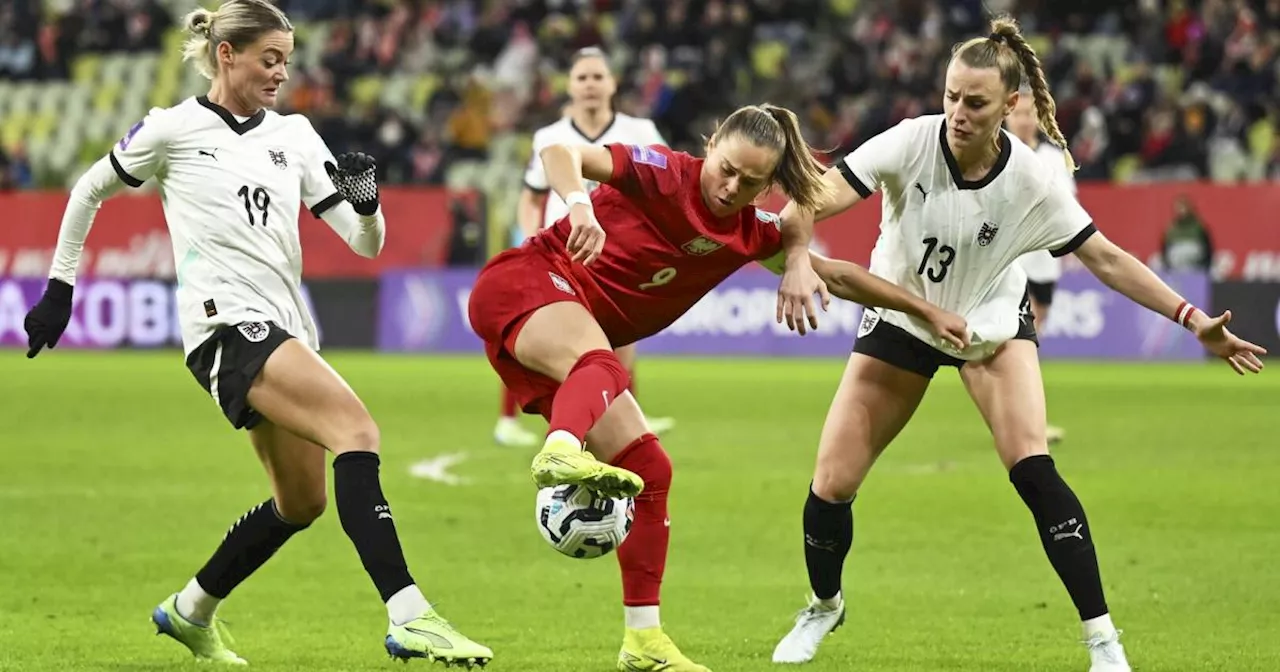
(354, 178)
(48, 319)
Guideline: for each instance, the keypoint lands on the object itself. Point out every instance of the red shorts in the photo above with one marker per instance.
(508, 290)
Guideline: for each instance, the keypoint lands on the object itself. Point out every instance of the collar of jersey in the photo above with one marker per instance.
(1006, 149)
(240, 127)
(578, 129)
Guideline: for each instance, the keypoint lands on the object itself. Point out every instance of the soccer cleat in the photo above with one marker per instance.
(509, 433)
(1054, 434)
(651, 649)
(430, 636)
(205, 642)
(660, 426)
(564, 462)
(812, 624)
(1106, 653)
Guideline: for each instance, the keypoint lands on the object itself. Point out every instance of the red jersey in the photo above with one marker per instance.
(664, 249)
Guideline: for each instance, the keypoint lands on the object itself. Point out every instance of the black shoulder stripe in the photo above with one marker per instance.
(324, 206)
(1075, 243)
(124, 174)
(853, 180)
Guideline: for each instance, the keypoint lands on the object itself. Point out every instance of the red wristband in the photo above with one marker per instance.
(1183, 314)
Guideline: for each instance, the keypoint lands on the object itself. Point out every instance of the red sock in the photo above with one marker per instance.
(643, 556)
(593, 383)
(509, 405)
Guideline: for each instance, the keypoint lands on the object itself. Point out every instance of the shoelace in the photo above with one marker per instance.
(1103, 645)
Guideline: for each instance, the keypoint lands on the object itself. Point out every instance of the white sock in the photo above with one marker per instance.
(1100, 627)
(505, 421)
(195, 605)
(407, 605)
(639, 618)
(565, 436)
(830, 604)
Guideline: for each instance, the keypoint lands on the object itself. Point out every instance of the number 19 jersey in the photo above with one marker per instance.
(952, 241)
(230, 189)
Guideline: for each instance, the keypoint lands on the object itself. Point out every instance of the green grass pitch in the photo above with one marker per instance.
(118, 477)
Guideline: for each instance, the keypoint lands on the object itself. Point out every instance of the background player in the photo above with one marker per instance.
(677, 227)
(1041, 267)
(962, 201)
(232, 175)
(589, 118)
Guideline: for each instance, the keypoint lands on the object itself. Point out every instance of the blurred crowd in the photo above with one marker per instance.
(1161, 89)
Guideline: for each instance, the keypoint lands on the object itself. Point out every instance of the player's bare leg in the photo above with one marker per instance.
(1009, 393)
(874, 401)
(296, 469)
(509, 432)
(564, 342)
(301, 394)
(657, 424)
(622, 437)
(1040, 313)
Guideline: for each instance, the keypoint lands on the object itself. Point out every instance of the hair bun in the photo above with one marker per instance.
(200, 22)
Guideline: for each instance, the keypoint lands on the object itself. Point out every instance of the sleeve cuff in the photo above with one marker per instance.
(325, 205)
(1075, 243)
(853, 180)
(124, 174)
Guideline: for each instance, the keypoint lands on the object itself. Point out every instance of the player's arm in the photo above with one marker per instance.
(1123, 273)
(343, 191)
(852, 282)
(529, 210)
(853, 179)
(566, 166)
(133, 160)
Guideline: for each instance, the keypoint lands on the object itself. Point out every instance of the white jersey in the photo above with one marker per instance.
(623, 129)
(954, 242)
(230, 190)
(1042, 266)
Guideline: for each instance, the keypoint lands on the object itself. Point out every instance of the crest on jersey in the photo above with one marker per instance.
(254, 332)
(701, 246)
(278, 158)
(561, 284)
(987, 234)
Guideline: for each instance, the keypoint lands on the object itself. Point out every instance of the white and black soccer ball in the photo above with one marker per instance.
(582, 524)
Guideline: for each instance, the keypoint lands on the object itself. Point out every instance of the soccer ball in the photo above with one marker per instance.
(582, 524)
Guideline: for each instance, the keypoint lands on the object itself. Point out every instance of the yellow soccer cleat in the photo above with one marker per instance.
(562, 461)
(651, 650)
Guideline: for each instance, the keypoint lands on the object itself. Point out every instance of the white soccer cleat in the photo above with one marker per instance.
(1106, 653)
(509, 432)
(812, 624)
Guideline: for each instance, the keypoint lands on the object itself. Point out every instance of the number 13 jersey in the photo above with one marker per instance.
(953, 242)
(231, 189)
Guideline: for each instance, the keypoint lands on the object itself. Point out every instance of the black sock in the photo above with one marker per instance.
(828, 536)
(366, 518)
(1064, 531)
(249, 543)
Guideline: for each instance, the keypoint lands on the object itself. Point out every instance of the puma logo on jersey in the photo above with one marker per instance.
(211, 154)
(987, 234)
(561, 284)
(701, 246)
(924, 195)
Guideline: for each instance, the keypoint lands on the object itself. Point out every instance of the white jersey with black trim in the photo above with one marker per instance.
(954, 242)
(1043, 267)
(623, 129)
(231, 190)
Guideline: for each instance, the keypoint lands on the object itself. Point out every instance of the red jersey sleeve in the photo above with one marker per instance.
(645, 171)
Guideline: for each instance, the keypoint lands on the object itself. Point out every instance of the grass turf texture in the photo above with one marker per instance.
(119, 477)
